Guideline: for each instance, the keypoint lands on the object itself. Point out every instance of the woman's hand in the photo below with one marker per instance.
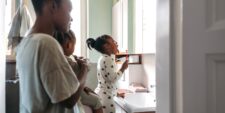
(82, 60)
(83, 70)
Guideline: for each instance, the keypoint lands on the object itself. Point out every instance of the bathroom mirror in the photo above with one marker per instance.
(132, 58)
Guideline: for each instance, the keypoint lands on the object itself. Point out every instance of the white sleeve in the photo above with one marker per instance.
(109, 70)
(58, 79)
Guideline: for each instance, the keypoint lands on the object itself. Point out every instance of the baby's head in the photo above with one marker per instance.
(67, 41)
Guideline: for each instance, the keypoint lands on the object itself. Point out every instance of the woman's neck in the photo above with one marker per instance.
(43, 25)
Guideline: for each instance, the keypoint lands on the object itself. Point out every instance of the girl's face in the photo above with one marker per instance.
(61, 17)
(111, 46)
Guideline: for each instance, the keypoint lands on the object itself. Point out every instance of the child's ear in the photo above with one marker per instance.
(106, 47)
(68, 45)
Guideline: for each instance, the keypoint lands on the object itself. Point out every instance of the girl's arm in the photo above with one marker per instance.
(109, 71)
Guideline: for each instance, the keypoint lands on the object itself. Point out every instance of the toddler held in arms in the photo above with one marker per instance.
(88, 96)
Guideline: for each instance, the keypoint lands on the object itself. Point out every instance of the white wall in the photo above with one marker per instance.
(92, 81)
(136, 73)
(2, 58)
(148, 61)
(144, 73)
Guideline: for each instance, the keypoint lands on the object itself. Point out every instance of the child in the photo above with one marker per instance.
(107, 72)
(68, 42)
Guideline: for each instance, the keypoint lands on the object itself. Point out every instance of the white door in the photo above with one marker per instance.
(191, 78)
(203, 56)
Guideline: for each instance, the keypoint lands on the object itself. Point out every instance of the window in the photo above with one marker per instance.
(75, 25)
(145, 26)
(7, 18)
(120, 24)
(79, 26)
(2, 57)
(11, 7)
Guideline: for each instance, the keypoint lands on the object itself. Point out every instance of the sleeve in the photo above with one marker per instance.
(58, 79)
(109, 70)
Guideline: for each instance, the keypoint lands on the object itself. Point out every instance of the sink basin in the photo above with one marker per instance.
(137, 102)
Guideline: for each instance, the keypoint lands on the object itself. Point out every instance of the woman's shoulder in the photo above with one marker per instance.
(45, 39)
(42, 37)
(38, 39)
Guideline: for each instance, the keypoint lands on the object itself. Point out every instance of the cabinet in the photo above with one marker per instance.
(12, 88)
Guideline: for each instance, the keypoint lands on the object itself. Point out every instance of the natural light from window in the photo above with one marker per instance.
(8, 17)
(2, 58)
(75, 26)
(145, 26)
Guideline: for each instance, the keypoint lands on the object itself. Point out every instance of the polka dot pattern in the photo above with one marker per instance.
(108, 75)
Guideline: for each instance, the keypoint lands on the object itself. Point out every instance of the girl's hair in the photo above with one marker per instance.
(62, 38)
(97, 43)
(38, 5)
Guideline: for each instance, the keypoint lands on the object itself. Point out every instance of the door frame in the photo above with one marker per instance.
(169, 57)
(2, 58)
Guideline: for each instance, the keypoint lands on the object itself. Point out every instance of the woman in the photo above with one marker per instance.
(47, 82)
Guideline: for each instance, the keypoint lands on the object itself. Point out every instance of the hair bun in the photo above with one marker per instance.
(90, 43)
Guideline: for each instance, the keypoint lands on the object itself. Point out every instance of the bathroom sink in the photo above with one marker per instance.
(137, 102)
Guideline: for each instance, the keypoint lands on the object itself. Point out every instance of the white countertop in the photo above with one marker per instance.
(137, 102)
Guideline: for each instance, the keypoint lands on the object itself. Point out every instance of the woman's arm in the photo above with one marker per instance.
(71, 101)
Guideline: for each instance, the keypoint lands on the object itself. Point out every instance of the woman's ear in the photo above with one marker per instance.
(53, 6)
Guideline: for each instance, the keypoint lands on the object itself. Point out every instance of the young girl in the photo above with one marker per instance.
(107, 72)
(88, 97)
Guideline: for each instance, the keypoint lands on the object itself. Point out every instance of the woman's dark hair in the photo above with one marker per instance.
(62, 38)
(38, 5)
(97, 43)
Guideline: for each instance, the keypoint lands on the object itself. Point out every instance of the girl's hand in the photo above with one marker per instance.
(125, 65)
